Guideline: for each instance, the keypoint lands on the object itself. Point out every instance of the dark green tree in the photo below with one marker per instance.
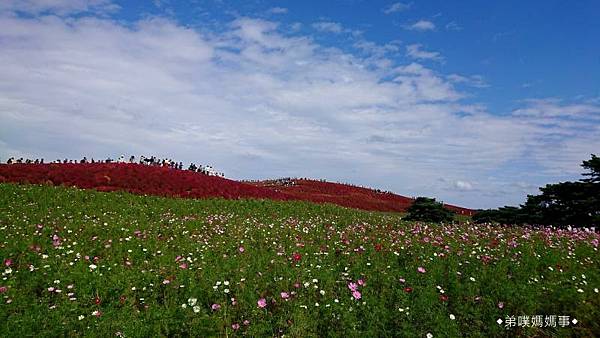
(593, 166)
(503, 215)
(429, 210)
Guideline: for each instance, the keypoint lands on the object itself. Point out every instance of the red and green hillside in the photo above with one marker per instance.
(162, 181)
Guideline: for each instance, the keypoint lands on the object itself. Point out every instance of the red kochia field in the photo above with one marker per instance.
(348, 196)
(162, 181)
(134, 178)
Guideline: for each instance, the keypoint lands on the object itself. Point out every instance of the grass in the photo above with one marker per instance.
(126, 265)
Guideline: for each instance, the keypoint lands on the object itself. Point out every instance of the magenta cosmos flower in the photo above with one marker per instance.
(285, 295)
(421, 269)
(352, 286)
(215, 307)
(356, 294)
(262, 303)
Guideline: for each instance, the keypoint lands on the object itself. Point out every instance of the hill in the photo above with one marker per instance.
(345, 195)
(161, 181)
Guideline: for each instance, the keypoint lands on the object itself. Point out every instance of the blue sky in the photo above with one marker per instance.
(523, 48)
(475, 103)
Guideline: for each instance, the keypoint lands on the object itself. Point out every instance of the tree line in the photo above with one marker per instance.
(561, 204)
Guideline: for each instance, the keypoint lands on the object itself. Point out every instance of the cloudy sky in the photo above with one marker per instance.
(474, 103)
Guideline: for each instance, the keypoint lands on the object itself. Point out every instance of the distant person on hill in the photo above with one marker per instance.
(132, 159)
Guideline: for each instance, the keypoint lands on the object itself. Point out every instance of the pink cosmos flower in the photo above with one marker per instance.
(235, 326)
(595, 242)
(402, 280)
(285, 295)
(51, 289)
(352, 286)
(421, 269)
(246, 322)
(166, 281)
(183, 266)
(215, 307)
(361, 282)
(262, 303)
(56, 240)
(3, 289)
(8, 262)
(356, 294)
(178, 258)
(241, 249)
(501, 305)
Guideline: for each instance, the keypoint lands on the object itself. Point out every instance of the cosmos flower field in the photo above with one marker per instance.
(81, 262)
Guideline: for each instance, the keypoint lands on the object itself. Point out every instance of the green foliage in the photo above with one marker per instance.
(428, 210)
(560, 204)
(593, 166)
(503, 215)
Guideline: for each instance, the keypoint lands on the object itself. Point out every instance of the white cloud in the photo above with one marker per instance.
(564, 133)
(60, 7)
(453, 26)
(422, 26)
(278, 10)
(256, 102)
(415, 51)
(396, 7)
(463, 185)
(554, 108)
(476, 81)
(330, 27)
